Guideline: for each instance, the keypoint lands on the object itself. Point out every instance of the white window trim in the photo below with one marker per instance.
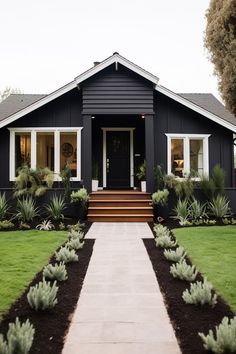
(186, 138)
(56, 132)
(131, 130)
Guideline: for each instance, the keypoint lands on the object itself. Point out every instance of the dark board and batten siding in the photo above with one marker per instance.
(117, 92)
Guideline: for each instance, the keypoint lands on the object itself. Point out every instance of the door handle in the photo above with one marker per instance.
(108, 165)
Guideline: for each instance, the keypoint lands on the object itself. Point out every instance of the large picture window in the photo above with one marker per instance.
(46, 147)
(187, 154)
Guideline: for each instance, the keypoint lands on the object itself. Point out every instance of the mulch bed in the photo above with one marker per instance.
(187, 320)
(51, 327)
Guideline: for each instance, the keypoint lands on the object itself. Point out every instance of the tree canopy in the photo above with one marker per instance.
(220, 40)
(7, 92)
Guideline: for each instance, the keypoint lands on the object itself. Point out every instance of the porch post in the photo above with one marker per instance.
(149, 152)
(87, 152)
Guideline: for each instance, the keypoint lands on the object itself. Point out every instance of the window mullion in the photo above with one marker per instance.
(33, 149)
(186, 155)
(57, 153)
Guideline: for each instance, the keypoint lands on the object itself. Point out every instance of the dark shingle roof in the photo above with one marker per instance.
(211, 104)
(16, 102)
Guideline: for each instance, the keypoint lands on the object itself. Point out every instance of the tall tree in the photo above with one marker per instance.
(220, 40)
(7, 92)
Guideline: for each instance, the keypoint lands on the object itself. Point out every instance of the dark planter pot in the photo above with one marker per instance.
(160, 211)
(76, 211)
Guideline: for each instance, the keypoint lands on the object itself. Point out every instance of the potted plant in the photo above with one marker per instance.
(80, 199)
(141, 175)
(160, 203)
(94, 177)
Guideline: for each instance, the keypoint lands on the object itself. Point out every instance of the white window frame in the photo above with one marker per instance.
(33, 132)
(186, 142)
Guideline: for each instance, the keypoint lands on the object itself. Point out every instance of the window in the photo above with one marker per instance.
(22, 149)
(46, 147)
(187, 154)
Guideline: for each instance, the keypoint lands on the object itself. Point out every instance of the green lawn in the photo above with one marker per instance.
(213, 250)
(22, 255)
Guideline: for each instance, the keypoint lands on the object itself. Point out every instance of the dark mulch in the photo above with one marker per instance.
(187, 320)
(51, 327)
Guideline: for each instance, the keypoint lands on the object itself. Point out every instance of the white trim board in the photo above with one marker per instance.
(115, 59)
(104, 164)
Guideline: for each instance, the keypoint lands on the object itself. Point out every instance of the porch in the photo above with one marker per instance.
(114, 147)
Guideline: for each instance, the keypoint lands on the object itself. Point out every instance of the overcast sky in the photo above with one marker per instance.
(46, 43)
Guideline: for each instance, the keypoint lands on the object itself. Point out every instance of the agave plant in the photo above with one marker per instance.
(197, 210)
(56, 207)
(26, 210)
(3, 206)
(182, 211)
(219, 206)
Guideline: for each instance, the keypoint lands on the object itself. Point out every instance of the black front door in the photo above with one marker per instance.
(118, 159)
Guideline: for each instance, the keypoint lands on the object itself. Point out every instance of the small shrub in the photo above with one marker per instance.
(175, 256)
(161, 230)
(200, 293)
(226, 221)
(56, 272)
(183, 271)
(66, 255)
(26, 210)
(218, 176)
(45, 225)
(75, 227)
(62, 226)
(80, 196)
(24, 226)
(182, 211)
(3, 206)
(219, 206)
(75, 244)
(207, 186)
(6, 225)
(160, 197)
(183, 187)
(75, 234)
(224, 341)
(19, 338)
(33, 181)
(212, 222)
(164, 242)
(42, 296)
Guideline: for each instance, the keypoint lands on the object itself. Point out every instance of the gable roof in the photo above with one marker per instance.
(16, 102)
(18, 105)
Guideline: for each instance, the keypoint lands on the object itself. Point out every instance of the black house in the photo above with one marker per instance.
(115, 115)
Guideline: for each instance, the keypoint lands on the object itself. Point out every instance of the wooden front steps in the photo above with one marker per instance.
(120, 206)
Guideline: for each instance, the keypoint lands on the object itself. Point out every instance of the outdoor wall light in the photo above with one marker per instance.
(142, 116)
(92, 117)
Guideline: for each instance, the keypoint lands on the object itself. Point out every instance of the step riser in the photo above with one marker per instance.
(114, 204)
(120, 211)
(119, 196)
(120, 219)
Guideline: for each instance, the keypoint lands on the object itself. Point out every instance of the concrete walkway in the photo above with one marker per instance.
(120, 309)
